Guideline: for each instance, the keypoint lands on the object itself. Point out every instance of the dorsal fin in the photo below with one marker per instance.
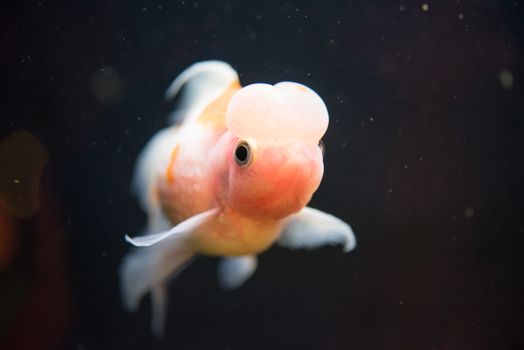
(202, 83)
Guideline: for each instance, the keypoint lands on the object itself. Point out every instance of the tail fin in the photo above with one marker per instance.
(203, 82)
(160, 255)
(146, 269)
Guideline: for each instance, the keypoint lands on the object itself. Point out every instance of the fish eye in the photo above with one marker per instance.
(243, 154)
(322, 147)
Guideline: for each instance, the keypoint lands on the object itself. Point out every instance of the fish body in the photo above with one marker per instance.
(230, 177)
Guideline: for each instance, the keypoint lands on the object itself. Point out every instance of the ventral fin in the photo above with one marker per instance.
(233, 272)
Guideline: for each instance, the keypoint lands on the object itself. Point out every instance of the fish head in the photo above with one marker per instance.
(274, 155)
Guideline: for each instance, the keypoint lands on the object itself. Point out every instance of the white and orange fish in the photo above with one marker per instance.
(231, 177)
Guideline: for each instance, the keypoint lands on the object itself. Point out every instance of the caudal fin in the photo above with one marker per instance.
(146, 270)
(159, 256)
(202, 82)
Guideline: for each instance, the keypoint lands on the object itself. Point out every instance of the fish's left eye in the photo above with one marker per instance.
(322, 147)
(243, 154)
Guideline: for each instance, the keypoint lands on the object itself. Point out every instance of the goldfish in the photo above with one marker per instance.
(229, 177)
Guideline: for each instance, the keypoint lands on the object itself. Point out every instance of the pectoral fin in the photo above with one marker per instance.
(233, 272)
(312, 228)
(184, 227)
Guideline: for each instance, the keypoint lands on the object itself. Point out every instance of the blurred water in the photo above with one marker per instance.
(424, 159)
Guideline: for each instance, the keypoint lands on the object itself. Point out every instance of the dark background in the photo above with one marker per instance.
(424, 160)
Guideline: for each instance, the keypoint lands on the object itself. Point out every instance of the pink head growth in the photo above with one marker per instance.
(284, 112)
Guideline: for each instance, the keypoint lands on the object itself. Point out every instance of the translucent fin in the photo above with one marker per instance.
(203, 82)
(159, 305)
(160, 256)
(312, 228)
(233, 272)
(182, 228)
(147, 267)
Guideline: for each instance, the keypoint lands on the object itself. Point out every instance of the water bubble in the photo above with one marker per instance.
(506, 79)
(106, 85)
(469, 212)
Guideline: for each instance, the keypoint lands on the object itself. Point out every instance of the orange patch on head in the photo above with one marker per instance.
(170, 173)
(214, 115)
(301, 88)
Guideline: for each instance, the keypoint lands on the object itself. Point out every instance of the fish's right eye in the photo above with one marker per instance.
(243, 154)
(322, 147)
